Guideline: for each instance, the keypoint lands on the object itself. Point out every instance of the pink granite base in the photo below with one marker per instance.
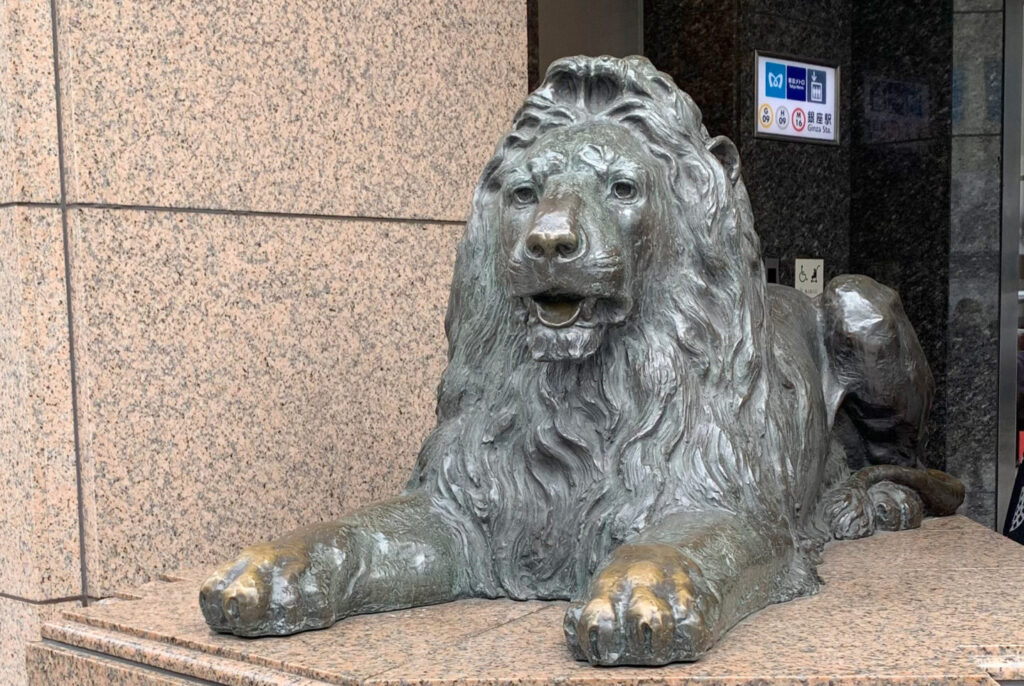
(940, 605)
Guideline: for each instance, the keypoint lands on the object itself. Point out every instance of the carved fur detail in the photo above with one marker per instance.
(544, 467)
(630, 418)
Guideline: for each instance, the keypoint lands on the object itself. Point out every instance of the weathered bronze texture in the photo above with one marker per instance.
(630, 418)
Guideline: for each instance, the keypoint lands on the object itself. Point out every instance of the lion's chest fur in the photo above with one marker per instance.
(593, 453)
(556, 504)
(563, 462)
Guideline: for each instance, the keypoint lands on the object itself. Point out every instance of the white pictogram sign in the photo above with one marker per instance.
(796, 100)
(809, 275)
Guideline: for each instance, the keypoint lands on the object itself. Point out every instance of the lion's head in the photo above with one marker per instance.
(607, 175)
(577, 208)
(607, 194)
(607, 311)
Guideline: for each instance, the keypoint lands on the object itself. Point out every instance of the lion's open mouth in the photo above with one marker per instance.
(559, 310)
(562, 325)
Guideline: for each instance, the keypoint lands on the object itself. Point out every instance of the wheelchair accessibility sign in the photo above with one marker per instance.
(809, 276)
(796, 99)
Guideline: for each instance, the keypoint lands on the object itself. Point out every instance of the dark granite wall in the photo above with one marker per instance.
(900, 162)
(705, 67)
(911, 195)
(972, 315)
(927, 108)
(800, 192)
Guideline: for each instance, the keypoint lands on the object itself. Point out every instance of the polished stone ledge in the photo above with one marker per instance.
(940, 605)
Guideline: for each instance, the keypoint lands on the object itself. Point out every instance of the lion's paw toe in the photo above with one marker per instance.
(263, 592)
(641, 611)
(896, 507)
(849, 512)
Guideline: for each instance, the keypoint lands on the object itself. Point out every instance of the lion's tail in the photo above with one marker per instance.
(940, 493)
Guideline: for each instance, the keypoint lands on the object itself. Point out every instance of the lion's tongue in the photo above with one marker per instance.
(558, 313)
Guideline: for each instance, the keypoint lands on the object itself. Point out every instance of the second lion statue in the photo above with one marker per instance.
(630, 418)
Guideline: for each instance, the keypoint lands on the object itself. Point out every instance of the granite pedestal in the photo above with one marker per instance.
(940, 605)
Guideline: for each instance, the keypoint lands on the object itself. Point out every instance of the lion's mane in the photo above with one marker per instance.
(544, 467)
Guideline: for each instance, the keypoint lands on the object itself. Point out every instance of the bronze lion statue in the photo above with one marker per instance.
(631, 418)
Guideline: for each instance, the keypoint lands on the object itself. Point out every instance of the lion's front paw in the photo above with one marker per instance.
(645, 608)
(268, 590)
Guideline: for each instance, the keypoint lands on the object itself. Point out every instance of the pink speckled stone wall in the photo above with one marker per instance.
(385, 108)
(239, 376)
(28, 117)
(39, 548)
(259, 205)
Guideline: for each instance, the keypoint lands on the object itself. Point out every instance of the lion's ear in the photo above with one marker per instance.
(726, 152)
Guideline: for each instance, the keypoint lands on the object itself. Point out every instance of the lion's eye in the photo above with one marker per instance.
(524, 195)
(624, 190)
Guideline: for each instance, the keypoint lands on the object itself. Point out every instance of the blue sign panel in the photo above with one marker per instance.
(796, 100)
(796, 83)
(775, 80)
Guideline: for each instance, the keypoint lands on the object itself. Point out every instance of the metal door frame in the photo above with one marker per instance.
(1013, 37)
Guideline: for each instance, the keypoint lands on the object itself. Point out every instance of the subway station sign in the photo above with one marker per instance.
(796, 100)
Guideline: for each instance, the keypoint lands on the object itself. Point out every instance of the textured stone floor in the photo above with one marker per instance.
(940, 605)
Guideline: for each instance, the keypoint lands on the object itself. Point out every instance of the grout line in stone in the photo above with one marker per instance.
(262, 213)
(997, 134)
(929, 139)
(72, 368)
(135, 666)
(48, 601)
(29, 203)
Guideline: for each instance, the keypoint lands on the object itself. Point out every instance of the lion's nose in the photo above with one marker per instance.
(548, 244)
(554, 232)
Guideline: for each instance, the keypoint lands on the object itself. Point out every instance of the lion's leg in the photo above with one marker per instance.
(671, 593)
(888, 498)
(387, 556)
(877, 367)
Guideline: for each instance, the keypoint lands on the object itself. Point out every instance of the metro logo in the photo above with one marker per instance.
(775, 80)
